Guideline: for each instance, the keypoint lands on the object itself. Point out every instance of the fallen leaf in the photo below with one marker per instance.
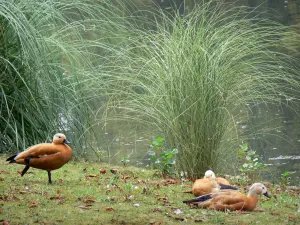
(157, 210)
(88, 201)
(4, 172)
(59, 220)
(292, 218)
(91, 175)
(126, 177)
(56, 197)
(275, 213)
(177, 211)
(1, 179)
(5, 222)
(24, 192)
(84, 207)
(180, 218)
(33, 205)
(197, 220)
(113, 198)
(103, 171)
(60, 201)
(109, 209)
(114, 171)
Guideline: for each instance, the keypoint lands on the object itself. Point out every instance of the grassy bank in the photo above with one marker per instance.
(82, 195)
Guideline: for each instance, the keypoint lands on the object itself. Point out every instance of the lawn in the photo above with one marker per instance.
(95, 193)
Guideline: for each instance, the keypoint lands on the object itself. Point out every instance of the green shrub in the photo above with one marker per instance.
(163, 158)
(249, 163)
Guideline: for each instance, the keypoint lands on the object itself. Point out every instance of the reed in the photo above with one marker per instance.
(51, 52)
(195, 77)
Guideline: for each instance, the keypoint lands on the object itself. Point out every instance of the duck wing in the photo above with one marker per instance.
(38, 151)
(226, 201)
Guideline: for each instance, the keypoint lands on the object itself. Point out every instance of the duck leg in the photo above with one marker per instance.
(49, 177)
(25, 170)
(27, 161)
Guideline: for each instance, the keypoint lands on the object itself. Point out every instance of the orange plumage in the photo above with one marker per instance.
(232, 200)
(210, 184)
(45, 156)
(204, 186)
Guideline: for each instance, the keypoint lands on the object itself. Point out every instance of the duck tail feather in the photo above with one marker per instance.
(201, 198)
(12, 159)
(224, 186)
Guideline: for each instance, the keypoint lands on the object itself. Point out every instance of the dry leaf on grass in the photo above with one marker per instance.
(56, 197)
(157, 210)
(88, 201)
(109, 209)
(114, 171)
(33, 205)
(5, 222)
(92, 176)
(84, 207)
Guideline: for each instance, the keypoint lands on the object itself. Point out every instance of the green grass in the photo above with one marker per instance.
(77, 182)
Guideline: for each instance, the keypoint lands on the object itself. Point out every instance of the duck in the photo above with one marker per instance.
(209, 183)
(219, 180)
(45, 156)
(231, 199)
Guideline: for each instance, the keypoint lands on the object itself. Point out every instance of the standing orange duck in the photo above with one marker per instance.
(232, 200)
(45, 156)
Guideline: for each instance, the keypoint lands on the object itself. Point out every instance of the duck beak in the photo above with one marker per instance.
(66, 142)
(267, 195)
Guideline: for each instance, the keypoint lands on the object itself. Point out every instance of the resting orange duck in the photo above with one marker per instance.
(219, 180)
(45, 156)
(210, 184)
(232, 200)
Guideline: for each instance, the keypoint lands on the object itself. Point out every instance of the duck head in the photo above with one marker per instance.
(60, 138)
(258, 189)
(209, 174)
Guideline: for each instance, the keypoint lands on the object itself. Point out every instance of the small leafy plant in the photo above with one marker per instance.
(125, 161)
(250, 166)
(285, 178)
(162, 158)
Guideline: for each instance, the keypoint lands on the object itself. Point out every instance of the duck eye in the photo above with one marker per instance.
(263, 187)
(58, 136)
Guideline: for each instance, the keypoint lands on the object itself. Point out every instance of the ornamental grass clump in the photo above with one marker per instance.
(195, 77)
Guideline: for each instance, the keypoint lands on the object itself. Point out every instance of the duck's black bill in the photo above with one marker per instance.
(267, 195)
(67, 142)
